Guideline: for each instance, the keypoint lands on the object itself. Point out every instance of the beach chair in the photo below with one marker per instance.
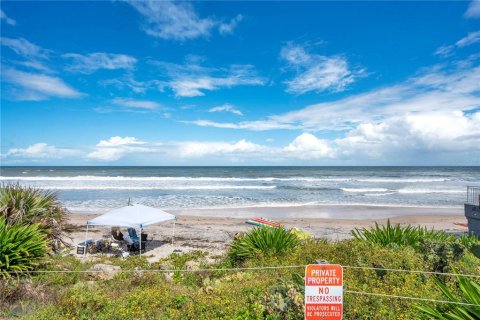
(134, 246)
(133, 234)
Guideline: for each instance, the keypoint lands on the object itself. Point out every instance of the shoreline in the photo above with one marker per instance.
(316, 211)
(213, 230)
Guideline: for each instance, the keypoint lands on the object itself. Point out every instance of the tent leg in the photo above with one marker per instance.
(85, 243)
(141, 231)
(173, 235)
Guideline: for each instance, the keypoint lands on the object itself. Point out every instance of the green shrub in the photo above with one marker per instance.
(469, 293)
(471, 243)
(22, 247)
(397, 235)
(468, 241)
(441, 255)
(252, 294)
(27, 205)
(286, 299)
(263, 241)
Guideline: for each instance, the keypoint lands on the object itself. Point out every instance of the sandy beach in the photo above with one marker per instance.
(213, 229)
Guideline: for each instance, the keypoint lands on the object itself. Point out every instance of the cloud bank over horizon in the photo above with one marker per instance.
(197, 83)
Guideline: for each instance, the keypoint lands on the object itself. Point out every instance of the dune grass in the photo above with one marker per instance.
(397, 235)
(22, 247)
(263, 241)
(28, 205)
(468, 292)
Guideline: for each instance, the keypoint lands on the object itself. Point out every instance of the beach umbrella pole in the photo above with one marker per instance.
(173, 233)
(85, 243)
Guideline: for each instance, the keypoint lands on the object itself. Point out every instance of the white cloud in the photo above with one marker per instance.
(317, 72)
(92, 62)
(141, 104)
(228, 28)
(434, 114)
(435, 89)
(24, 47)
(117, 147)
(473, 10)
(469, 39)
(202, 149)
(128, 81)
(3, 16)
(36, 87)
(178, 20)
(247, 125)
(307, 146)
(445, 51)
(420, 138)
(191, 79)
(107, 154)
(397, 140)
(426, 135)
(173, 20)
(34, 64)
(226, 108)
(33, 56)
(41, 151)
(119, 141)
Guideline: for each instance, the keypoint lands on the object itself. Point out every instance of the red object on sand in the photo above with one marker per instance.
(263, 222)
(461, 224)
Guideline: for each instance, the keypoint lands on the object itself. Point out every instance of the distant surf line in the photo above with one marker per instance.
(157, 187)
(368, 191)
(220, 179)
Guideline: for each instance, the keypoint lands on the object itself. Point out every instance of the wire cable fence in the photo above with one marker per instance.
(286, 267)
(249, 268)
(412, 298)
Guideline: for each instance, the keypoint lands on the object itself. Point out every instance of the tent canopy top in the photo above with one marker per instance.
(135, 216)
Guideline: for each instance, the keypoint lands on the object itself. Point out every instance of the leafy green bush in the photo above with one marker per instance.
(263, 241)
(469, 293)
(286, 299)
(471, 243)
(468, 241)
(21, 248)
(441, 255)
(397, 235)
(27, 205)
(252, 294)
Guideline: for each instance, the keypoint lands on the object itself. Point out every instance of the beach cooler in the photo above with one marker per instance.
(82, 246)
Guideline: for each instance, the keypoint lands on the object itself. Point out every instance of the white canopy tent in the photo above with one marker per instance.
(135, 216)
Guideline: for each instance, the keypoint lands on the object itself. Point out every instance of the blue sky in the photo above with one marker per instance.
(240, 83)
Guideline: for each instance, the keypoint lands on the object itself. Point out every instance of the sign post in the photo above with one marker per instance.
(323, 292)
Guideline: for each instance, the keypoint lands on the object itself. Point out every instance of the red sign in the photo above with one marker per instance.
(323, 292)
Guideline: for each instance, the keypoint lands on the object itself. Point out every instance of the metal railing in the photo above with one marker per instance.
(473, 195)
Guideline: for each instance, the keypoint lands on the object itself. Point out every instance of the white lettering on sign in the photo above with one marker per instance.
(323, 292)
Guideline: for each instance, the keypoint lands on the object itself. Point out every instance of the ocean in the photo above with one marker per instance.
(94, 189)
